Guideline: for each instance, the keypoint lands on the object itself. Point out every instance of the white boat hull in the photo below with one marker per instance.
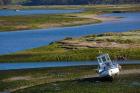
(110, 72)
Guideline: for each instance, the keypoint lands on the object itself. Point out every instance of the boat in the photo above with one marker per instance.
(106, 67)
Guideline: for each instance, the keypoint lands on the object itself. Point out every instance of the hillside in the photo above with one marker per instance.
(66, 2)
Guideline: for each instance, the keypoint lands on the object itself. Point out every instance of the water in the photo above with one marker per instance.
(12, 66)
(35, 11)
(26, 39)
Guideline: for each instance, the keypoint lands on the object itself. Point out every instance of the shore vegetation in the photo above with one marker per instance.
(86, 48)
(88, 16)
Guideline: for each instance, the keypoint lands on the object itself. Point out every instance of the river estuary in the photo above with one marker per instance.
(26, 39)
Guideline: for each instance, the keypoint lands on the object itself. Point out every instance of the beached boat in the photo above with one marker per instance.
(106, 67)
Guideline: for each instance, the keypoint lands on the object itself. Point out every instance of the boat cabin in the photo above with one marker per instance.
(103, 58)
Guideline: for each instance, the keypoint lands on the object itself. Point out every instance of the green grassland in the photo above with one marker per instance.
(45, 21)
(60, 52)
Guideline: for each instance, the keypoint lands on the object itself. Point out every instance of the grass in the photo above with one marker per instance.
(45, 21)
(34, 77)
(14, 80)
(44, 54)
(113, 8)
(59, 52)
(123, 37)
(40, 21)
(126, 84)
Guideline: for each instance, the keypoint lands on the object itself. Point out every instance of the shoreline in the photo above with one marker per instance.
(95, 19)
(89, 16)
(86, 48)
(77, 21)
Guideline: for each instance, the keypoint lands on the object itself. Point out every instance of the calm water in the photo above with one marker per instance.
(12, 66)
(26, 39)
(35, 11)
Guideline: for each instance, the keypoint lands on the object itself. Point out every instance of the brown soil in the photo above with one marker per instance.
(95, 16)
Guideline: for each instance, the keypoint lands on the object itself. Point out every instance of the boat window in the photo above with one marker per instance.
(104, 59)
(108, 58)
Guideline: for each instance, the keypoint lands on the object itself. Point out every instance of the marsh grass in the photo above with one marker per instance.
(54, 52)
(40, 21)
(34, 78)
(125, 84)
(9, 80)
(123, 37)
(45, 21)
(57, 52)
